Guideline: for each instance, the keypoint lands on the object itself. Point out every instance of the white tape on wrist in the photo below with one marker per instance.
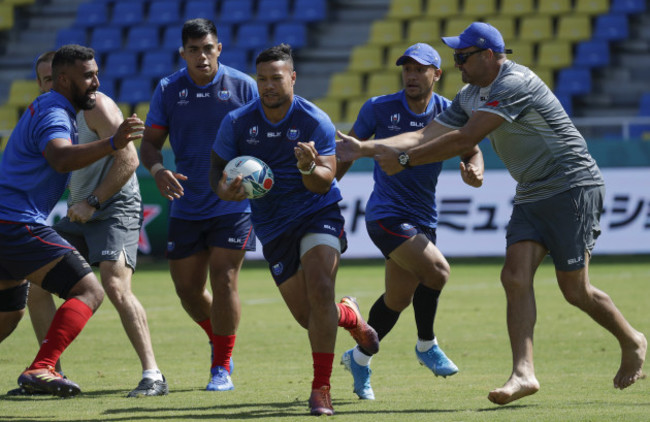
(155, 169)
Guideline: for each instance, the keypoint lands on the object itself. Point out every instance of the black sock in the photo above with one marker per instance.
(425, 304)
(382, 319)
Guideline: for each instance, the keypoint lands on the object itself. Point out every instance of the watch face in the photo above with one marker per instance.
(403, 158)
(93, 201)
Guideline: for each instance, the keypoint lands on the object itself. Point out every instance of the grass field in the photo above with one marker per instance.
(575, 359)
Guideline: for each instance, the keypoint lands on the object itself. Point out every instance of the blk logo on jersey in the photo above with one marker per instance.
(273, 134)
(202, 95)
(416, 124)
(293, 134)
(224, 95)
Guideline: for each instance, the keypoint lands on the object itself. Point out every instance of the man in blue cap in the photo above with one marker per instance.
(558, 199)
(401, 216)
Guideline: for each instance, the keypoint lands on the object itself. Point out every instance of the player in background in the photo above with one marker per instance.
(103, 222)
(558, 200)
(206, 236)
(42, 151)
(298, 221)
(401, 216)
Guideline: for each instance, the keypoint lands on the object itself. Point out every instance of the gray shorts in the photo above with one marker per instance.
(103, 240)
(566, 224)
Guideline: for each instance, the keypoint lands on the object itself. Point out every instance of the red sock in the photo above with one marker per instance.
(69, 320)
(223, 346)
(348, 318)
(322, 369)
(207, 327)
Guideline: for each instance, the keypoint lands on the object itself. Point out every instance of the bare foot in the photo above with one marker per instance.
(632, 359)
(514, 389)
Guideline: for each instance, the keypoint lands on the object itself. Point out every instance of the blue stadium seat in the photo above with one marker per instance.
(292, 33)
(156, 64)
(71, 36)
(271, 11)
(309, 10)
(592, 54)
(142, 38)
(164, 12)
(106, 38)
(628, 6)
(235, 57)
(225, 35)
(135, 90)
(236, 11)
(611, 27)
(120, 64)
(107, 85)
(253, 35)
(171, 39)
(127, 13)
(567, 102)
(91, 14)
(574, 81)
(200, 9)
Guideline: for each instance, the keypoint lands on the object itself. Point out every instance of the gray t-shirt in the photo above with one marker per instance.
(538, 142)
(126, 202)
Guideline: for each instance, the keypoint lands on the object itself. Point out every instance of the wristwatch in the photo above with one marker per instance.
(404, 159)
(93, 201)
(310, 170)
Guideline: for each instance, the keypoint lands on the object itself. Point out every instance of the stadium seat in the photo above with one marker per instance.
(554, 55)
(426, 30)
(345, 85)
(404, 9)
(366, 58)
(225, 35)
(120, 64)
(235, 57)
(158, 63)
(135, 90)
(8, 119)
(236, 11)
(164, 12)
(352, 107)
(479, 8)
(451, 83)
(395, 52)
(71, 36)
(292, 33)
(171, 39)
(591, 7)
(125, 108)
(385, 32)
(383, 83)
(574, 27)
(107, 85)
(6, 16)
(142, 109)
(592, 54)
(91, 15)
(516, 7)
(567, 102)
(505, 24)
(441, 8)
(456, 25)
(523, 52)
(546, 75)
(612, 27)
(200, 9)
(272, 11)
(535, 28)
(628, 6)
(644, 104)
(554, 7)
(332, 107)
(127, 13)
(574, 81)
(309, 10)
(105, 39)
(22, 92)
(142, 38)
(253, 35)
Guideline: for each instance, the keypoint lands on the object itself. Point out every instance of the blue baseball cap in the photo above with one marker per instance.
(421, 53)
(478, 34)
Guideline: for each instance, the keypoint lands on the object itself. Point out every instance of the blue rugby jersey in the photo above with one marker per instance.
(29, 186)
(412, 192)
(192, 114)
(246, 131)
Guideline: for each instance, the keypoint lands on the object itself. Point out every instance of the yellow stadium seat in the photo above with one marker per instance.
(451, 82)
(441, 8)
(386, 33)
(505, 25)
(425, 30)
(591, 7)
(454, 26)
(366, 58)
(345, 85)
(574, 28)
(125, 108)
(382, 83)
(516, 7)
(547, 75)
(18, 2)
(332, 107)
(523, 52)
(6, 16)
(352, 108)
(479, 8)
(22, 92)
(554, 55)
(535, 28)
(142, 109)
(8, 120)
(446, 56)
(554, 7)
(404, 9)
(394, 53)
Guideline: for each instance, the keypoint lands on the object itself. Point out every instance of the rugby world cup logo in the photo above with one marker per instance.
(252, 139)
(183, 94)
(394, 121)
(253, 131)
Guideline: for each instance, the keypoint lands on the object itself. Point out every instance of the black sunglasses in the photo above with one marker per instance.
(461, 58)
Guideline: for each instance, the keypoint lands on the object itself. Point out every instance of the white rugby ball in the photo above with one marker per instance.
(257, 177)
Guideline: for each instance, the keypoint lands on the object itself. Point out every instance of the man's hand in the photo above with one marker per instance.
(388, 160)
(80, 212)
(348, 148)
(130, 130)
(233, 191)
(306, 154)
(471, 174)
(168, 183)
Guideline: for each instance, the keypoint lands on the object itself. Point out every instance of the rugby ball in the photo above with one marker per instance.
(257, 177)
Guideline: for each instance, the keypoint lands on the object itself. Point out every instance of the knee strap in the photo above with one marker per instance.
(14, 298)
(65, 274)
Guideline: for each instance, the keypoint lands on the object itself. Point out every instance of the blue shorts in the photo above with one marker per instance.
(283, 252)
(231, 231)
(566, 224)
(388, 233)
(26, 247)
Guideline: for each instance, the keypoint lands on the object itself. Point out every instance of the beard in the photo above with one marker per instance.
(85, 100)
(277, 102)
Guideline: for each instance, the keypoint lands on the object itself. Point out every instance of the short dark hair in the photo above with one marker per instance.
(276, 53)
(198, 28)
(68, 55)
(44, 58)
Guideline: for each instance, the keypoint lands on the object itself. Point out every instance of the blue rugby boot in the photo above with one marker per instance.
(360, 374)
(436, 360)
